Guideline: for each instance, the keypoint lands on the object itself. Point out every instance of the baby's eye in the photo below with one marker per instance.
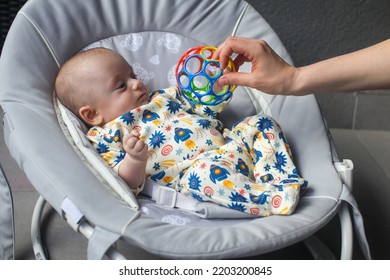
(121, 85)
(133, 76)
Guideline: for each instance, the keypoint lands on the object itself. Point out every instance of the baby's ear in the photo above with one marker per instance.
(90, 116)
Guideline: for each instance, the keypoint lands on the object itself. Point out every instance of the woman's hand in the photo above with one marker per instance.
(269, 73)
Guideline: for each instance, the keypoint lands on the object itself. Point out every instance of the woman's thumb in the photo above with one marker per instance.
(234, 78)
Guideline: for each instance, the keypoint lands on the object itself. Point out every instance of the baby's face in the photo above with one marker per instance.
(115, 88)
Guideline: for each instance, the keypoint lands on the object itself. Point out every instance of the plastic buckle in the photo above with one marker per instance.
(165, 196)
(345, 171)
(71, 213)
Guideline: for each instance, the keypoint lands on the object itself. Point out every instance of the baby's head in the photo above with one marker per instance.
(98, 85)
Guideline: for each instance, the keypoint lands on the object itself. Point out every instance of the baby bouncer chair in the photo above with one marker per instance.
(49, 145)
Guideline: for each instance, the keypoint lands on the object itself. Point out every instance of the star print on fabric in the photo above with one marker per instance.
(157, 139)
(156, 166)
(242, 192)
(179, 151)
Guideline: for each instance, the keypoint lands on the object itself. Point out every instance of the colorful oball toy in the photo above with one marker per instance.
(197, 73)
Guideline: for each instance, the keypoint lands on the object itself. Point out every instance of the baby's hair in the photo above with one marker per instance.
(67, 86)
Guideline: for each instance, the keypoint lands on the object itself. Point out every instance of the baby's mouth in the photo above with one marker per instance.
(143, 97)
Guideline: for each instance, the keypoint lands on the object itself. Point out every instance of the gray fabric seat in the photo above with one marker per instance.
(47, 33)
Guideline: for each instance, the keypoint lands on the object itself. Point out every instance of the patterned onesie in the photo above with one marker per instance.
(248, 168)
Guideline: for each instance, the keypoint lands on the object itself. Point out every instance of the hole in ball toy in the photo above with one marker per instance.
(180, 66)
(207, 99)
(207, 53)
(191, 96)
(213, 70)
(200, 84)
(194, 64)
(193, 51)
(184, 80)
(219, 90)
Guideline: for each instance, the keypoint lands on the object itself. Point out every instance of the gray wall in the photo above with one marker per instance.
(313, 30)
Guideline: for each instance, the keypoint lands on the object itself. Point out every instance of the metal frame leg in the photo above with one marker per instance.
(7, 227)
(83, 227)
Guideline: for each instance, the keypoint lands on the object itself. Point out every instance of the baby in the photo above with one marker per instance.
(177, 144)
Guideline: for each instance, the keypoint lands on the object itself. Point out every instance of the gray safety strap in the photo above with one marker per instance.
(101, 240)
(168, 196)
(7, 232)
(347, 196)
(172, 198)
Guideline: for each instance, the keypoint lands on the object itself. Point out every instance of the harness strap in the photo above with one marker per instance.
(168, 196)
(347, 196)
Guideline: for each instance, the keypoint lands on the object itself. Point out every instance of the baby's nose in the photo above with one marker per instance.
(136, 84)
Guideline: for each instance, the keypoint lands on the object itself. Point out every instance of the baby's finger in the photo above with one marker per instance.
(140, 145)
(130, 143)
(135, 132)
(127, 137)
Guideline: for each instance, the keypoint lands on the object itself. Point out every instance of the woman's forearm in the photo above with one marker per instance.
(368, 68)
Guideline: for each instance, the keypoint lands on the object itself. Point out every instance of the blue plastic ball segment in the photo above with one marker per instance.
(197, 76)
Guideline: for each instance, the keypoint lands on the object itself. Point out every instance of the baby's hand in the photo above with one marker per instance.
(135, 147)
